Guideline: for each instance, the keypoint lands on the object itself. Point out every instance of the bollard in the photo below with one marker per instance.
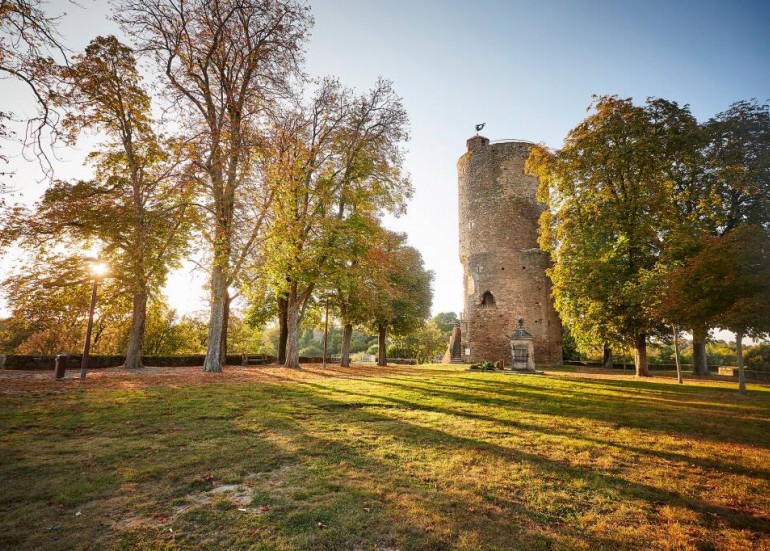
(61, 365)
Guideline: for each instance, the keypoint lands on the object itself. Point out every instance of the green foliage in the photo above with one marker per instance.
(603, 227)
(726, 284)
(402, 292)
(422, 344)
(445, 321)
(192, 334)
(663, 353)
(738, 161)
(721, 352)
(758, 357)
(569, 349)
(334, 165)
(359, 342)
(313, 350)
(486, 365)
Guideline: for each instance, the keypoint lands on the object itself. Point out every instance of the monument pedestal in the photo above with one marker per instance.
(522, 350)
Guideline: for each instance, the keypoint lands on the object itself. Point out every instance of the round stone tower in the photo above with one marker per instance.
(504, 268)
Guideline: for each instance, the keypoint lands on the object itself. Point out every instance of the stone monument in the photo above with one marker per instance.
(522, 349)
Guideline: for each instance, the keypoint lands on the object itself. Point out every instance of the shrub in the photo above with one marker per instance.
(758, 357)
(484, 366)
(311, 351)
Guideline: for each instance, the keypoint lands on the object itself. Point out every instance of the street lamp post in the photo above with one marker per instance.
(98, 270)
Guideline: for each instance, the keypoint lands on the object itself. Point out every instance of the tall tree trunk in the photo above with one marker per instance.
(676, 355)
(136, 334)
(741, 372)
(607, 358)
(225, 327)
(292, 325)
(214, 360)
(347, 335)
(699, 357)
(640, 355)
(283, 328)
(224, 201)
(382, 357)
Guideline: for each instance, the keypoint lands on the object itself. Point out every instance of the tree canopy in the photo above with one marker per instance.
(641, 198)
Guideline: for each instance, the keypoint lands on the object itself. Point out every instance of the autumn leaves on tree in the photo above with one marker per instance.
(284, 178)
(656, 220)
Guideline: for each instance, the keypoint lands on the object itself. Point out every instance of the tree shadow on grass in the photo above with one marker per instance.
(183, 434)
(425, 515)
(387, 474)
(690, 396)
(624, 411)
(520, 425)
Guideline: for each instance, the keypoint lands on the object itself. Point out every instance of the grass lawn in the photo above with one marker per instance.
(399, 458)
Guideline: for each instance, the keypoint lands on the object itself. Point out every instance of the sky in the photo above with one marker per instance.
(528, 69)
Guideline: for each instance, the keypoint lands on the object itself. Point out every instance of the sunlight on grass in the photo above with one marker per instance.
(412, 458)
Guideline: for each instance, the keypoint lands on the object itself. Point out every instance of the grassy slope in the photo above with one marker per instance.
(433, 458)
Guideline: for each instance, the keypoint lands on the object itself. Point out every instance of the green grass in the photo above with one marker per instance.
(409, 458)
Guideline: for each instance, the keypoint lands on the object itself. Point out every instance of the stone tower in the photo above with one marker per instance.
(504, 269)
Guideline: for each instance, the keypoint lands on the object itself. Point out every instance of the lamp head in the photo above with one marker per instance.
(99, 269)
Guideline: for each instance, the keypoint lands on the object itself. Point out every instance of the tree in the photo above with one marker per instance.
(733, 271)
(224, 63)
(336, 166)
(353, 281)
(445, 321)
(603, 228)
(758, 356)
(137, 205)
(29, 44)
(738, 161)
(422, 344)
(688, 214)
(677, 359)
(48, 297)
(720, 180)
(401, 296)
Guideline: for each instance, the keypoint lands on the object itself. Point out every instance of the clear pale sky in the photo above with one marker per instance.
(526, 68)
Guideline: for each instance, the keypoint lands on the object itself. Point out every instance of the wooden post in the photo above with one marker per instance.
(326, 332)
(741, 371)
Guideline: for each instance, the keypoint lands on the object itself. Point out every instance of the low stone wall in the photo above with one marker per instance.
(31, 363)
(402, 361)
(44, 363)
(27, 363)
(750, 374)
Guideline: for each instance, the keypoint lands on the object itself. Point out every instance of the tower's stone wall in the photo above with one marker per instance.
(504, 269)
